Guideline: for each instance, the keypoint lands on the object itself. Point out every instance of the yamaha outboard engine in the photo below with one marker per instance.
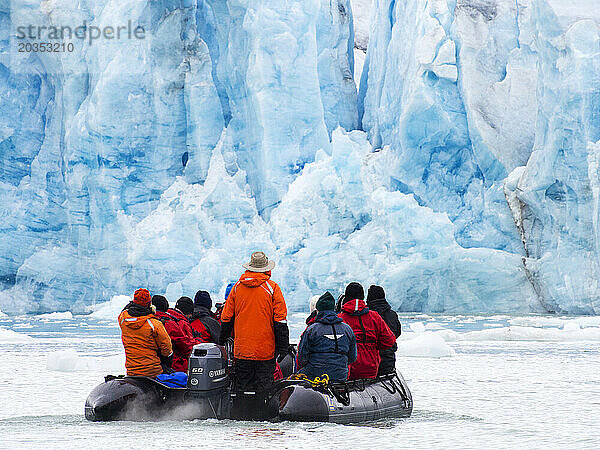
(208, 378)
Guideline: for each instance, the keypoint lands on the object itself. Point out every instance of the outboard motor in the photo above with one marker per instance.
(208, 378)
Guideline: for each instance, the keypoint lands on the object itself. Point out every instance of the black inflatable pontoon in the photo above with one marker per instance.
(208, 395)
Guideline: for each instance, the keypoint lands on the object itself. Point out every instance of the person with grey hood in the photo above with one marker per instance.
(328, 345)
(376, 302)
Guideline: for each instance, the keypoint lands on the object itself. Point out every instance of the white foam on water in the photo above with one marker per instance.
(71, 361)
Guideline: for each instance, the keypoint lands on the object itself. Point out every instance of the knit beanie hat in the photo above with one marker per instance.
(202, 298)
(326, 302)
(228, 289)
(312, 303)
(142, 297)
(161, 303)
(375, 292)
(185, 305)
(354, 291)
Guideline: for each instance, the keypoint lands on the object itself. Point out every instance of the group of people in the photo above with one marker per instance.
(159, 339)
(351, 340)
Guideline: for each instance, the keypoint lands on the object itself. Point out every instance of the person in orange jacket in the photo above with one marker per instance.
(256, 313)
(147, 344)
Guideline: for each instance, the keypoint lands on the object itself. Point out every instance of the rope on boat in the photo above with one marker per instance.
(323, 380)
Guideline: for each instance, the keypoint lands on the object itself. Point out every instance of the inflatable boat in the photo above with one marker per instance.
(207, 394)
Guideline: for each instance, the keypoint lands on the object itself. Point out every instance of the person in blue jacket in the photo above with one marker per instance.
(328, 345)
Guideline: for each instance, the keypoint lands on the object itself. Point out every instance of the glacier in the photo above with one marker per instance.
(462, 174)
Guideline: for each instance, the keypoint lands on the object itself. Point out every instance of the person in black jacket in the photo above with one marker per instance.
(376, 302)
(204, 325)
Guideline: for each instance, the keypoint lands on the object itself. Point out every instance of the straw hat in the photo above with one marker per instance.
(259, 263)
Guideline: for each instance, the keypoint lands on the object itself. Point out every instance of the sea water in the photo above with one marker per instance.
(477, 382)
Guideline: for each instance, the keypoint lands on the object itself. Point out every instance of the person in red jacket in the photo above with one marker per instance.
(184, 309)
(183, 342)
(372, 333)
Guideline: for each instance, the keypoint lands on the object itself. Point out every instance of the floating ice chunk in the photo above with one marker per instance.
(559, 322)
(433, 326)
(571, 325)
(71, 361)
(514, 333)
(2, 315)
(10, 336)
(111, 309)
(67, 315)
(417, 327)
(425, 345)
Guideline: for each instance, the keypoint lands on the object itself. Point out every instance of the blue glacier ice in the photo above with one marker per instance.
(556, 195)
(462, 175)
(471, 91)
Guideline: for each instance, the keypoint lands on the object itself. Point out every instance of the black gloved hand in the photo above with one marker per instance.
(226, 329)
(166, 361)
(282, 339)
(167, 370)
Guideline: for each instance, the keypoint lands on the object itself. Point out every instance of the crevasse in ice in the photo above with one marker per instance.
(165, 162)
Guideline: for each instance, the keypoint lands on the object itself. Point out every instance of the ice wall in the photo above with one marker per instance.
(472, 186)
(90, 142)
(338, 222)
(556, 193)
(434, 89)
(462, 93)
